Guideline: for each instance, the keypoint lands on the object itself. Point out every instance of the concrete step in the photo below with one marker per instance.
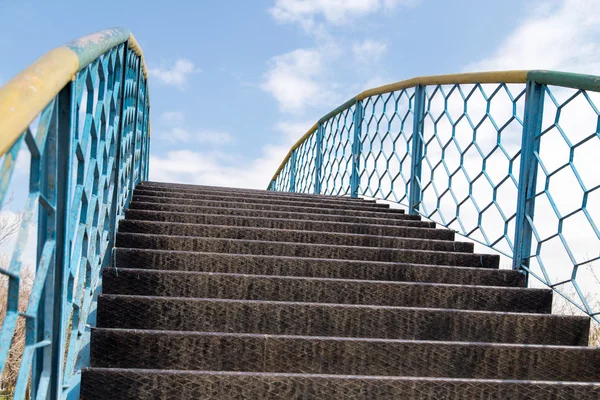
(257, 193)
(314, 267)
(281, 235)
(364, 227)
(323, 290)
(446, 251)
(113, 348)
(300, 202)
(326, 209)
(145, 384)
(320, 319)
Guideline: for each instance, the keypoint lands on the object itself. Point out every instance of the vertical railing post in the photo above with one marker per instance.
(136, 118)
(530, 144)
(293, 171)
(415, 195)
(318, 158)
(356, 149)
(114, 211)
(66, 113)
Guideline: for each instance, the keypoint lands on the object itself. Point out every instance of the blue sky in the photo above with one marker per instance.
(235, 83)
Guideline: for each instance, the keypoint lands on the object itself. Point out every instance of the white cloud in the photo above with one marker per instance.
(294, 79)
(217, 168)
(176, 132)
(369, 51)
(177, 74)
(294, 130)
(185, 136)
(305, 12)
(561, 35)
(172, 117)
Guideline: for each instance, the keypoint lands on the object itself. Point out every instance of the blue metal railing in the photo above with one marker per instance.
(507, 159)
(89, 149)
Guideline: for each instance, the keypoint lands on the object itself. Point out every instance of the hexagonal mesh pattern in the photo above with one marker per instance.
(455, 153)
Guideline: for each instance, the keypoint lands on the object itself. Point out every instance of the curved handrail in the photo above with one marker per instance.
(87, 152)
(529, 143)
(24, 97)
(566, 79)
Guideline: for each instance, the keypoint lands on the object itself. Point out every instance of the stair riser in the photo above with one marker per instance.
(319, 203)
(232, 246)
(254, 193)
(391, 219)
(352, 357)
(280, 235)
(276, 318)
(241, 287)
(399, 229)
(328, 210)
(312, 267)
(102, 384)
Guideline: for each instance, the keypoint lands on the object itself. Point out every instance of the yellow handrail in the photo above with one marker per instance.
(466, 78)
(25, 96)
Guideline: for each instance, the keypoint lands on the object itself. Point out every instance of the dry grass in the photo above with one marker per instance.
(8, 227)
(11, 369)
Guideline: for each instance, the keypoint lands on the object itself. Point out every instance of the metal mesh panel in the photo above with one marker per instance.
(87, 152)
(455, 153)
(472, 140)
(338, 138)
(386, 145)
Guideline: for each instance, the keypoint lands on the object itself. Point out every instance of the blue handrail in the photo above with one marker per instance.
(507, 159)
(88, 151)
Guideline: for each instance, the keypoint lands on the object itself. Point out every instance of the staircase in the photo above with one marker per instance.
(243, 294)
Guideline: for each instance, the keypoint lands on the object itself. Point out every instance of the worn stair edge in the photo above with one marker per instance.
(337, 355)
(328, 210)
(325, 290)
(308, 202)
(246, 192)
(392, 219)
(145, 384)
(281, 235)
(317, 319)
(279, 223)
(446, 251)
(314, 267)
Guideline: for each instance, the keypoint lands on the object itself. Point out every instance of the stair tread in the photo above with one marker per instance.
(333, 280)
(457, 247)
(395, 218)
(452, 343)
(128, 225)
(334, 319)
(413, 223)
(291, 201)
(341, 355)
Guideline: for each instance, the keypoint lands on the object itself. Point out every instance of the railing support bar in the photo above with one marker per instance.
(319, 158)
(356, 149)
(530, 144)
(293, 172)
(414, 192)
(63, 243)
